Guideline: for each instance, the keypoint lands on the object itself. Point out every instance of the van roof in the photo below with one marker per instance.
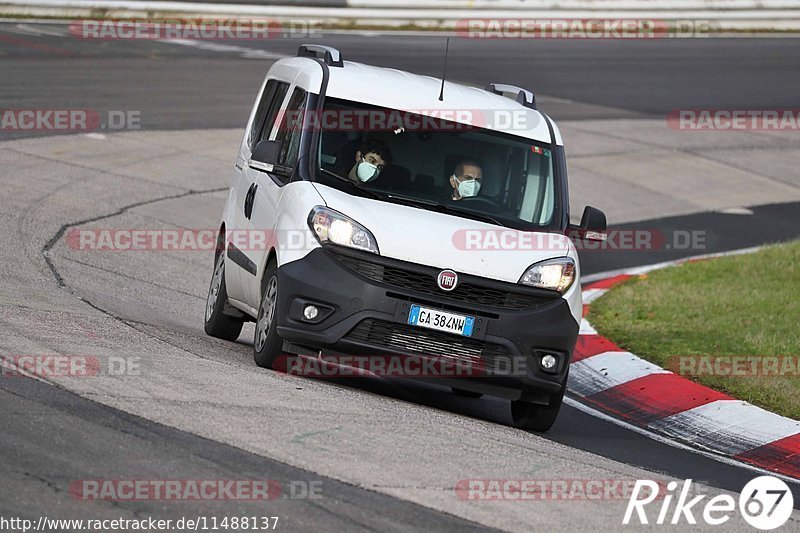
(396, 89)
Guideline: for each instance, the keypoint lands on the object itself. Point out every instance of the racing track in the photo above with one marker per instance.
(388, 456)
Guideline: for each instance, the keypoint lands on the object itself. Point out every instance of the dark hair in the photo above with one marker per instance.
(471, 162)
(379, 147)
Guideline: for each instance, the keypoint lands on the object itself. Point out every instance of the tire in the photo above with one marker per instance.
(267, 345)
(537, 417)
(218, 324)
(466, 393)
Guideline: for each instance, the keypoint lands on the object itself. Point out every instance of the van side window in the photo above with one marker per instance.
(271, 100)
(292, 128)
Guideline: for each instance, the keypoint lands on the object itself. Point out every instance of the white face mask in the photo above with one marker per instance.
(366, 170)
(468, 188)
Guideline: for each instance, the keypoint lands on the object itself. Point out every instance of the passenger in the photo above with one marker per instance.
(373, 157)
(466, 179)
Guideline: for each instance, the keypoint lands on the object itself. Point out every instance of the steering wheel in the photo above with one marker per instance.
(480, 199)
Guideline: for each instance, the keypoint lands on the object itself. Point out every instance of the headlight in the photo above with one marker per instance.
(554, 274)
(332, 227)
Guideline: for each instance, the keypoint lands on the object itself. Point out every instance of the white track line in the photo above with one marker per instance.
(635, 271)
(246, 53)
(673, 443)
(39, 29)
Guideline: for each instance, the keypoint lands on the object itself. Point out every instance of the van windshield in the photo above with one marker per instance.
(436, 164)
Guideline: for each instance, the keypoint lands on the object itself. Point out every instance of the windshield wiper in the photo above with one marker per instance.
(365, 192)
(445, 208)
(474, 214)
(416, 202)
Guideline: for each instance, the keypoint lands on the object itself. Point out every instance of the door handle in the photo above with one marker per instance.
(249, 200)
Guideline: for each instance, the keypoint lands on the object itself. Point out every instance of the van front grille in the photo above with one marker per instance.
(422, 279)
(412, 340)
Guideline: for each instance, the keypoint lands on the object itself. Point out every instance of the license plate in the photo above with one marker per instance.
(441, 320)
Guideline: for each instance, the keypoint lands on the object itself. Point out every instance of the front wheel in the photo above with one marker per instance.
(466, 393)
(267, 345)
(538, 417)
(217, 323)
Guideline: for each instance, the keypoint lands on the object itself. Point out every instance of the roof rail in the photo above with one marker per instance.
(524, 96)
(331, 56)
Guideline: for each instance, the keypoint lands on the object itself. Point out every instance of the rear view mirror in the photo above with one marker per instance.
(593, 226)
(265, 155)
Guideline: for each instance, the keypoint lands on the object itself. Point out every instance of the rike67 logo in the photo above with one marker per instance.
(765, 503)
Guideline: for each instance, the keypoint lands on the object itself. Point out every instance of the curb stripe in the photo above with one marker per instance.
(586, 328)
(782, 455)
(608, 283)
(731, 427)
(644, 395)
(649, 398)
(606, 370)
(589, 345)
(590, 295)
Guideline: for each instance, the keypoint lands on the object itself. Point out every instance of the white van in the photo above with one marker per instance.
(380, 213)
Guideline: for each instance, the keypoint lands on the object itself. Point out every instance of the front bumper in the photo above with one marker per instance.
(364, 302)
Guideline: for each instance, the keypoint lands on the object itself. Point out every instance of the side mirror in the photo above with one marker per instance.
(593, 226)
(265, 156)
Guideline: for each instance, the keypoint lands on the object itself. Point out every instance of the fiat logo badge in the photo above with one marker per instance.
(447, 280)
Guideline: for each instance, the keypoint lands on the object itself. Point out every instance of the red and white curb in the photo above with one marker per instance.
(617, 382)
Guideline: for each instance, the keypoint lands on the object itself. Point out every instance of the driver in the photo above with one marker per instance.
(370, 161)
(466, 179)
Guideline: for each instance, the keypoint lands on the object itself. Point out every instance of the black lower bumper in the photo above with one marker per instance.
(364, 311)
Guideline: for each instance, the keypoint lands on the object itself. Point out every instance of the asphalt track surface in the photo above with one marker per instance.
(51, 436)
(182, 87)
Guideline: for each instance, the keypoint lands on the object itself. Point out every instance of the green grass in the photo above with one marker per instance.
(732, 306)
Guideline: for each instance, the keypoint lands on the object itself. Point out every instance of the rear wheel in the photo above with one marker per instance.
(267, 345)
(537, 417)
(217, 323)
